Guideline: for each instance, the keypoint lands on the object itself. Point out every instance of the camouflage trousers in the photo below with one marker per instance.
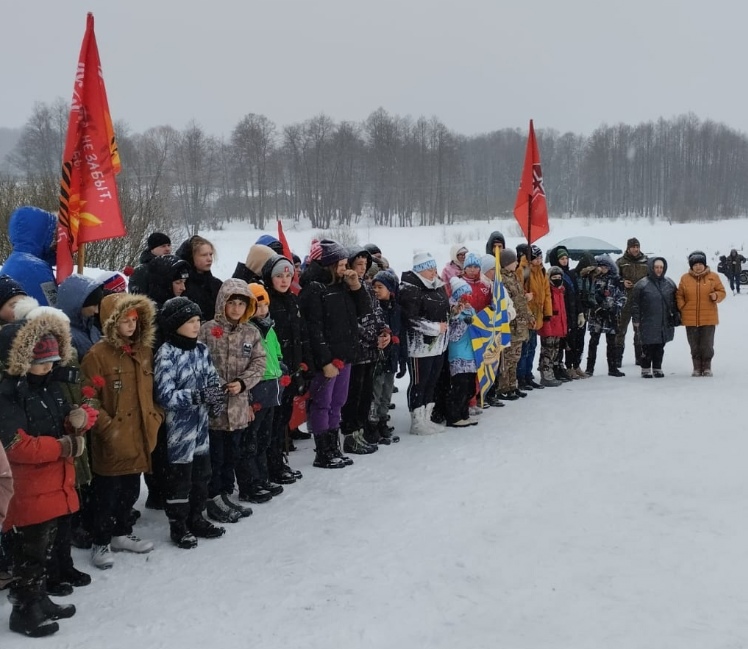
(508, 378)
(549, 346)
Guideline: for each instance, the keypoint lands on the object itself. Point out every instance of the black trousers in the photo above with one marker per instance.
(253, 465)
(462, 389)
(610, 341)
(355, 411)
(156, 480)
(114, 497)
(652, 356)
(224, 454)
(279, 436)
(60, 559)
(424, 375)
(32, 549)
(187, 489)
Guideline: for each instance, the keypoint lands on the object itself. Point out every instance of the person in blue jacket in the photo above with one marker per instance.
(32, 233)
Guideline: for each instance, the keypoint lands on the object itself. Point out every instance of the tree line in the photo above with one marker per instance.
(398, 171)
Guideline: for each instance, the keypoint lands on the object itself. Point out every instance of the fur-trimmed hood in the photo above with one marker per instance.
(17, 339)
(114, 306)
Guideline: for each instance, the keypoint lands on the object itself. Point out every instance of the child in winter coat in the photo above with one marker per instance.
(609, 298)
(239, 358)
(41, 433)
(188, 389)
(392, 359)
(553, 329)
(462, 369)
(118, 374)
(480, 288)
(252, 474)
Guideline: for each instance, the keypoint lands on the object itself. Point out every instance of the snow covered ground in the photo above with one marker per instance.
(607, 513)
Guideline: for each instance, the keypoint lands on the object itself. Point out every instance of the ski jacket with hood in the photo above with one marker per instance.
(73, 292)
(454, 267)
(609, 298)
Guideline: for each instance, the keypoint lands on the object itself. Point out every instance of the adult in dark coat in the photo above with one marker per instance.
(733, 267)
(158, 246)
(202, 286)
(652, 309)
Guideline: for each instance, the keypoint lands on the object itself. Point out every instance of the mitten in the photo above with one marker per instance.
(72, 445)
(208, 395)
(215, 409)
(403, 369)
(83, 418)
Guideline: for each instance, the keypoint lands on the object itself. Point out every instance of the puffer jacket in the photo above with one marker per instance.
(557, 325)
(480, 292)
(125, 432)
(425, 306)
(534, 280)
(609, 298)
(237, 353)
(652, 306)
(696, 308)
(138, 282)
(520, 325)
(34, 417)
(71, 295)
(572, 299)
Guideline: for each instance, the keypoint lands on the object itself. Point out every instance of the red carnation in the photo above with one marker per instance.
(98, 381)
(338, 363)
(217, 332)
(127, 349)
(303, 367)
(88, 392)
(256, 407)
(127, 271)
(285, 380)
(395, 340)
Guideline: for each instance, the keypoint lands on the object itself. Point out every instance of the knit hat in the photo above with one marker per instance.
(535, 252)
(459, 288)
(46, 350)
(280, 266)
(633, 241)
(176, 312)
(422, 260)
(332, 252)
(179, 270)
(471, 259)
(388, 279)
(696, 257)
(487, 263)
(94, 297)
(508, 257)
(561, 252)
(113, 282)
(9, 288)
(373, 248)
(271, 242)
(555, 270)
(157, 239)
(261, 295)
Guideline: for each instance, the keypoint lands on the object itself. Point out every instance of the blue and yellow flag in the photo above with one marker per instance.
(490, 333)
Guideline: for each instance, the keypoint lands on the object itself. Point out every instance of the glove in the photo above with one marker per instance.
(403, 369)
(83, 418)
(209, 395)
(546, 318)
(72, 445)
(580, 320)
(215, 409)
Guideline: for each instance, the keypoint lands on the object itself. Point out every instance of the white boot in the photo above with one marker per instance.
(130, 543)
(418, 423)
(101, 556)
(437, 428)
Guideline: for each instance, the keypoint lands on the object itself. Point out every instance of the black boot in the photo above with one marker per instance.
(356, 444)
(181, 536)
(334, 447)
(75, 577)
(30, 620)
(371, 432)
(56, 611)
(614, 371)
(386, 433)
(204, 529)
(297, 434)
(532, 384)
(323, 458)
(560, 374)
(59, 588)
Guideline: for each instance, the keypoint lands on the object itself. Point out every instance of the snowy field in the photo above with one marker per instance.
(603, 514)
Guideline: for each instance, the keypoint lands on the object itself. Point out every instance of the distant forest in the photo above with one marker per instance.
(395, 170)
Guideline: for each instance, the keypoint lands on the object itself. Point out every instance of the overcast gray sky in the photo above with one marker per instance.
(479, 65)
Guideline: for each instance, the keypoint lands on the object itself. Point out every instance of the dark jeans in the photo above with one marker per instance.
(60, 560)
(524, 367)
(114, 497)
(279, 436)
(187, 489)
(156, 480)
(424, 374)
(224, 454)
(462, 389)
(734, 282)
(701, 341)
(355, 412)
(652, 356)
(32, 548)
(253, 466)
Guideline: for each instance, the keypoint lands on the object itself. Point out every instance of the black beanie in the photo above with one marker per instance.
(9, 288)
(94, 297)
(176, 312)
(157, 239)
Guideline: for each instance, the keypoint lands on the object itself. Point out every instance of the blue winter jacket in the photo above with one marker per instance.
(71, 295)
(32, 232)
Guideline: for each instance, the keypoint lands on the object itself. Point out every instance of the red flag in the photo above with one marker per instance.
(530, 208)
(295, 287)
(89, 207)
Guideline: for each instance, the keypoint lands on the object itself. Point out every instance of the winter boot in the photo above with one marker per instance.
(548, 380)
(181, 536)
(460, 423)
(571, 373)
(658, 373)
(30, 620)
(646, 373)
(58, 588)
(522, 385)
(255, 494)
(614, 371)
(517, 392)
(220, 512)
(697, 368)
(433, 421)
(531, 383)
(334, 436)
(706, 368)
(386, 433)
(560, 375)
(130, 543)
(274, 489)
(418, 424)
(371, 432)
(244, 512)
(356, 444)
(204, 529)
(56, 611)
(80, 538)
(75, 577)
(507, 396)
(323, 458)
(581, 373)
(101, 556)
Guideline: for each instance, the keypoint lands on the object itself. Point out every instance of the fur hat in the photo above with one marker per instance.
(696, 257)
(471, 259)
(459, 287)
(388, 279)
(332, 252)
(422, 260)
(633, 241)
(176, 312)
(158, 239)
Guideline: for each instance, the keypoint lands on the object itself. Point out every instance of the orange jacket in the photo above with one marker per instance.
(696, 308)
(535, 281)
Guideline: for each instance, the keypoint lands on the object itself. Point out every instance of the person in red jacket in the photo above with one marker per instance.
(553, 329)
(42, 434)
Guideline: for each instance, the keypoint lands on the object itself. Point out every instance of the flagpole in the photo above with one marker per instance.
(81, 257)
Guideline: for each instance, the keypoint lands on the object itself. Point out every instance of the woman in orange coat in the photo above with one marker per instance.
(699, 292)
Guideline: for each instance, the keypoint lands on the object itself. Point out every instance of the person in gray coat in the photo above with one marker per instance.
(653, 310)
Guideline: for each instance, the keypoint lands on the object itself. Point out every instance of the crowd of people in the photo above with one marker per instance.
(191, 382)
